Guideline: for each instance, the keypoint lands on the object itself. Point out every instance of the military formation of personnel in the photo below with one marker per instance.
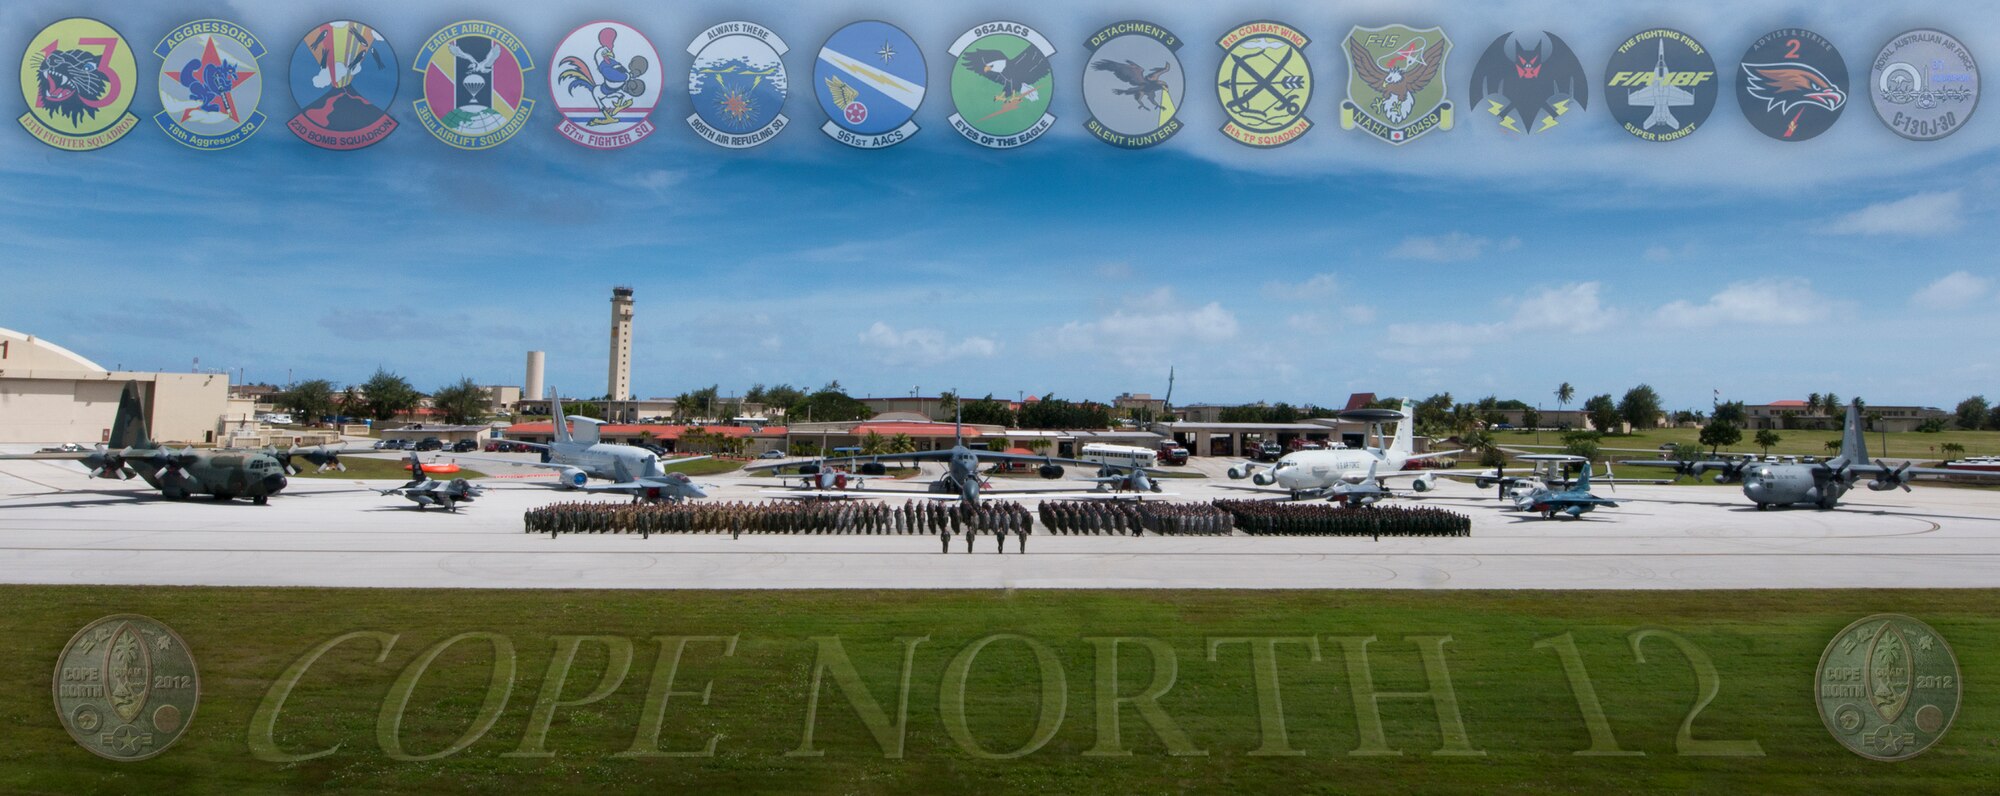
(1268, 518)
(1132, 518)
(736, 518)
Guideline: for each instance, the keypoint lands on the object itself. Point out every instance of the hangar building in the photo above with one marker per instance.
(50, 394)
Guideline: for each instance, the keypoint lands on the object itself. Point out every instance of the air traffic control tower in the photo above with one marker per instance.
(619, 386)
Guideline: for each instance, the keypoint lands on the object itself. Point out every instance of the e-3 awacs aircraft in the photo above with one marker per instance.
(180, 474)
(578, 456)
(1819, 484)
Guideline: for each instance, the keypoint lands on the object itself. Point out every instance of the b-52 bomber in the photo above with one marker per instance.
(180, 474)
(1820, 484)
(425, 491)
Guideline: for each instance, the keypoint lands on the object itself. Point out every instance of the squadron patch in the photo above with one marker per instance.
(475, 84)
(1529, 82)
(1265, 83)
(1926, 84)
(1132, 84)
(1660, 85)
(344, 76)
(1792, 84)
(738, 85)
(1001, 85)
(210, 85)
(602, 85)
(78, 76)
(1393, 90)
(870, 79)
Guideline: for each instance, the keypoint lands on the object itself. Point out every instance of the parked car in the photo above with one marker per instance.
(772, 454)
(464, 446)
(1171, 453)
(429, 444)
(1268, 451)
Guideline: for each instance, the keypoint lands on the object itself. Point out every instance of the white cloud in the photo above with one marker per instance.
(1451, 247)
(1762, 302)
(923, 346)
(1151, 322)
(1318, 287)
(1920, 214)
(1956, 290)
(1571, 309)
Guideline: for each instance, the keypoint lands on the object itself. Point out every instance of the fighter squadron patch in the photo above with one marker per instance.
(1529, 82)
(1393, 90)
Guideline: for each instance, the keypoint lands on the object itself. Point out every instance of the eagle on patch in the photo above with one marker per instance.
(1399, 76)
(1145, 85)
(1783, 87)
(1017, 75)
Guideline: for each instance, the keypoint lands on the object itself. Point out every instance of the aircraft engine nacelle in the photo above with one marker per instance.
(1239, 472)
(1050, 471)
(1483, 483)
(573, 478)
(809, 469)
(873, 468)
(1263, 479)
(1424, 483)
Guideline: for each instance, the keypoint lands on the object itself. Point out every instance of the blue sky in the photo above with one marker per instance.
(1468, 261)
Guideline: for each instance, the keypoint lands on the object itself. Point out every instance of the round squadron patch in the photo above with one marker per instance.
(1926, 84)
(1393, 90)
(1529, 82)
(78, 76)
(1001, 85)
(1660, 85)
(1132, 84)
(1265, 84)
(603, 85)
(126, 687)
(1888, 687)
(344, 76)
(870, 78)
(475, 85)
(1792, 84)
(210, 85)
(738, 85)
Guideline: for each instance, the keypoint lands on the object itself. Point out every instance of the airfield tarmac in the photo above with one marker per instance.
(58, 526)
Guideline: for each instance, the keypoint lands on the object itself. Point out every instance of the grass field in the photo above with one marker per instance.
(1516, 703)
(371, 469)
(703, 467)
(1908, 444)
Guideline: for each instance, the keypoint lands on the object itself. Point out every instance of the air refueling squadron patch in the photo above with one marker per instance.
(603, 85)
(210, 85)
(78, 76)
(344, 76)
(1265, 84)
(1660, 85)
(1926, 84)
(1132, 84)
(1001, 85)
(475, 85)
(1530, 82)
(738, 85)
(1792, 84)
(870, 79)
(1393, 87)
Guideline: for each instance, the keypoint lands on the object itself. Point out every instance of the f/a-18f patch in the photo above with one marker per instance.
(1530, 82)
(78, 76)
(603, 86)
(344, 76)
(1926, 84)
(1792, 84)
(1265, 83)
(1132, 84)
(211, 84)
(1660, 85)
(738, 85)
(475, 85)
(1001, 85)
(1393, 87)
(870, 79)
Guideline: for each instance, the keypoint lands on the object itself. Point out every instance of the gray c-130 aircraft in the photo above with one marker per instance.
(1820, 484)
(183, 473)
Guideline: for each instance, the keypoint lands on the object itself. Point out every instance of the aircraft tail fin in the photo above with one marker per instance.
(1662, 116)
(1853, 444)
(1583, 479)
(1405, 430)
(562, 436)
(958, 422)
(417, 475)
(128, 428)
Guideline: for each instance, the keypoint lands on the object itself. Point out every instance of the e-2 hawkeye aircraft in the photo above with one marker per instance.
(184, 473)
(1820, 484)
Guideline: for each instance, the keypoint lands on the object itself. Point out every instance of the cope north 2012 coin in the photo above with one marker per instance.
(1888, 687)
(126, 687)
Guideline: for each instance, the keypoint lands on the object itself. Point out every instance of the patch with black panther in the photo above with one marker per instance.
(78, 76)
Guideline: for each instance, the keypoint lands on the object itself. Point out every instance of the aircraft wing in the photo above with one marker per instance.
(58, 456)
(830, 494)
(918, 456)
(1653, 91)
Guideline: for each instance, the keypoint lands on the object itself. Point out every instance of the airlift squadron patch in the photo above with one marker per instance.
(1132, 84)
(1265, 84)
(1393, 87)
(475, 85)
(1001, 85)
(738, 85)
(78, 76)
(210, 85)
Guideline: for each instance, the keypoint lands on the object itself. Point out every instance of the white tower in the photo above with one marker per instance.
(531, 389)
(619, 385)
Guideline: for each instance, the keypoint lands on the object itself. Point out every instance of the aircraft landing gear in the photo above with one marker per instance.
(1763, 506)
(261, 500)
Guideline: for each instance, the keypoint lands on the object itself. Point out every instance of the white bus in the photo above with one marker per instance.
(1120, 455)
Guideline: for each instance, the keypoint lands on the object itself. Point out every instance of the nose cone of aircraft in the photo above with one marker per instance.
(273, 484)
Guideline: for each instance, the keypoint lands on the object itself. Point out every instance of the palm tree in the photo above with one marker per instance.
(1833, 446)
(1814, 404)
(1564, 395)
(901, 443)
(874, 443)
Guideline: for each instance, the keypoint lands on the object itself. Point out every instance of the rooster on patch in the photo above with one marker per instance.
(614, 86)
